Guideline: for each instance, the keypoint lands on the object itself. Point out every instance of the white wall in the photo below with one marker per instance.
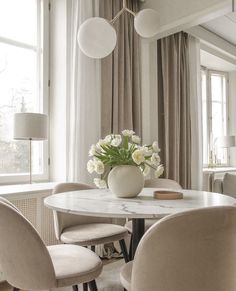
(176, 15)
(58, 90)
(232, 114)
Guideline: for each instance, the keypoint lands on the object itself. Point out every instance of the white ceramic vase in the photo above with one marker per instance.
(125, 181)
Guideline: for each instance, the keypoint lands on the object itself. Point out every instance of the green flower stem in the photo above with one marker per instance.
(151, 166)
(126, 142)
(105, 174)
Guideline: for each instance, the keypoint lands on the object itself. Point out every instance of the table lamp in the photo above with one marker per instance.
(226, 141)
(30, 126)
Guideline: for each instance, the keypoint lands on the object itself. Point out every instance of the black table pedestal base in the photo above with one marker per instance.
(138, 232)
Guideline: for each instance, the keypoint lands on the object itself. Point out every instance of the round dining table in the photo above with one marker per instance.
(102, 203)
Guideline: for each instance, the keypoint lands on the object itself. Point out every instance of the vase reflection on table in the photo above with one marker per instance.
(122, 163)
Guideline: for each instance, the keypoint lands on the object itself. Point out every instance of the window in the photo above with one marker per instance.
(215, 116)
(23, 77)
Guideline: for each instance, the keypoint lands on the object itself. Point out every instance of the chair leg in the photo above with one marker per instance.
(124, 250)
(85, 287)
(93, 286)
(130, 248)
(16, 289)
(75, 288)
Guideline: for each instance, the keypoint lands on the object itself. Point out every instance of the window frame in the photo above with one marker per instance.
(42, 49)
(210, 147)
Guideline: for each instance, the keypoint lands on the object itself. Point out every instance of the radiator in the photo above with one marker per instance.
(32, 207)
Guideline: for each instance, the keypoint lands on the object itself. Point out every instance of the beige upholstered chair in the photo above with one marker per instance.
(162, 183)
(155, 183)
(4, 200)
(28, 264)
(12, 205)
(86, 230)
(189, 251)
(226, 186)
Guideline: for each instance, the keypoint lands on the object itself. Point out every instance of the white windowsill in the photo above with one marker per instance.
(26, 188)
(219, 169)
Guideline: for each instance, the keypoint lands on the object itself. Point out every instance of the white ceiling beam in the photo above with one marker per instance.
(213, 43)
(178, 15)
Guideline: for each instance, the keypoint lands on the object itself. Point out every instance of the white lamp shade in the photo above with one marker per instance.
(97, 38)
(147, 23)
(30, 126)
(227, 141)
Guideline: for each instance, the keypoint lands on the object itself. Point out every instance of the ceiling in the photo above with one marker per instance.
(224, 26)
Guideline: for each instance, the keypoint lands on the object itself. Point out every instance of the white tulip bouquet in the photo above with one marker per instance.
(124, 149)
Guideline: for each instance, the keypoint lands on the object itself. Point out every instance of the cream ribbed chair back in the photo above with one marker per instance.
(24, 257)
(162, 183)
(63, 220)
(190, 251)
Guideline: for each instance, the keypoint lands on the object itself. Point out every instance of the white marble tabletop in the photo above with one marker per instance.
(103, 203)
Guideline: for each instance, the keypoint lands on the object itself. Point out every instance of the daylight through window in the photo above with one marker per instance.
(215, 116)
(21, 82)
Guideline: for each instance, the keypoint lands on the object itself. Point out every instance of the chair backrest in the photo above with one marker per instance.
(190, 251)
(162, 183)
(4, 200)
(229, 184)
(64, 220)
(24, 258)
(217, 186)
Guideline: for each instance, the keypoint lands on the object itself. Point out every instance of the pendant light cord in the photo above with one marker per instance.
(233, 6)
(125, 8)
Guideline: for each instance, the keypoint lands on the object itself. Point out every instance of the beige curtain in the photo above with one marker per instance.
(121, 87)
(174, 128)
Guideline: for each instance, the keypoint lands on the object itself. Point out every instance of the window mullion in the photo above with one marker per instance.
(209, 112)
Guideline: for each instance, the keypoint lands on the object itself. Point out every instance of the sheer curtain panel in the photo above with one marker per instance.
(195, 113)
(84, 94)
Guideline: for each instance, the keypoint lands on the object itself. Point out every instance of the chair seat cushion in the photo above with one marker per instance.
(148, 224)
(125, 275)
(93, 234)
(74, 264)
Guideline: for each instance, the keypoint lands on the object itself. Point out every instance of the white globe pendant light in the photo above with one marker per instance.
(146, 23)
(97, 38)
